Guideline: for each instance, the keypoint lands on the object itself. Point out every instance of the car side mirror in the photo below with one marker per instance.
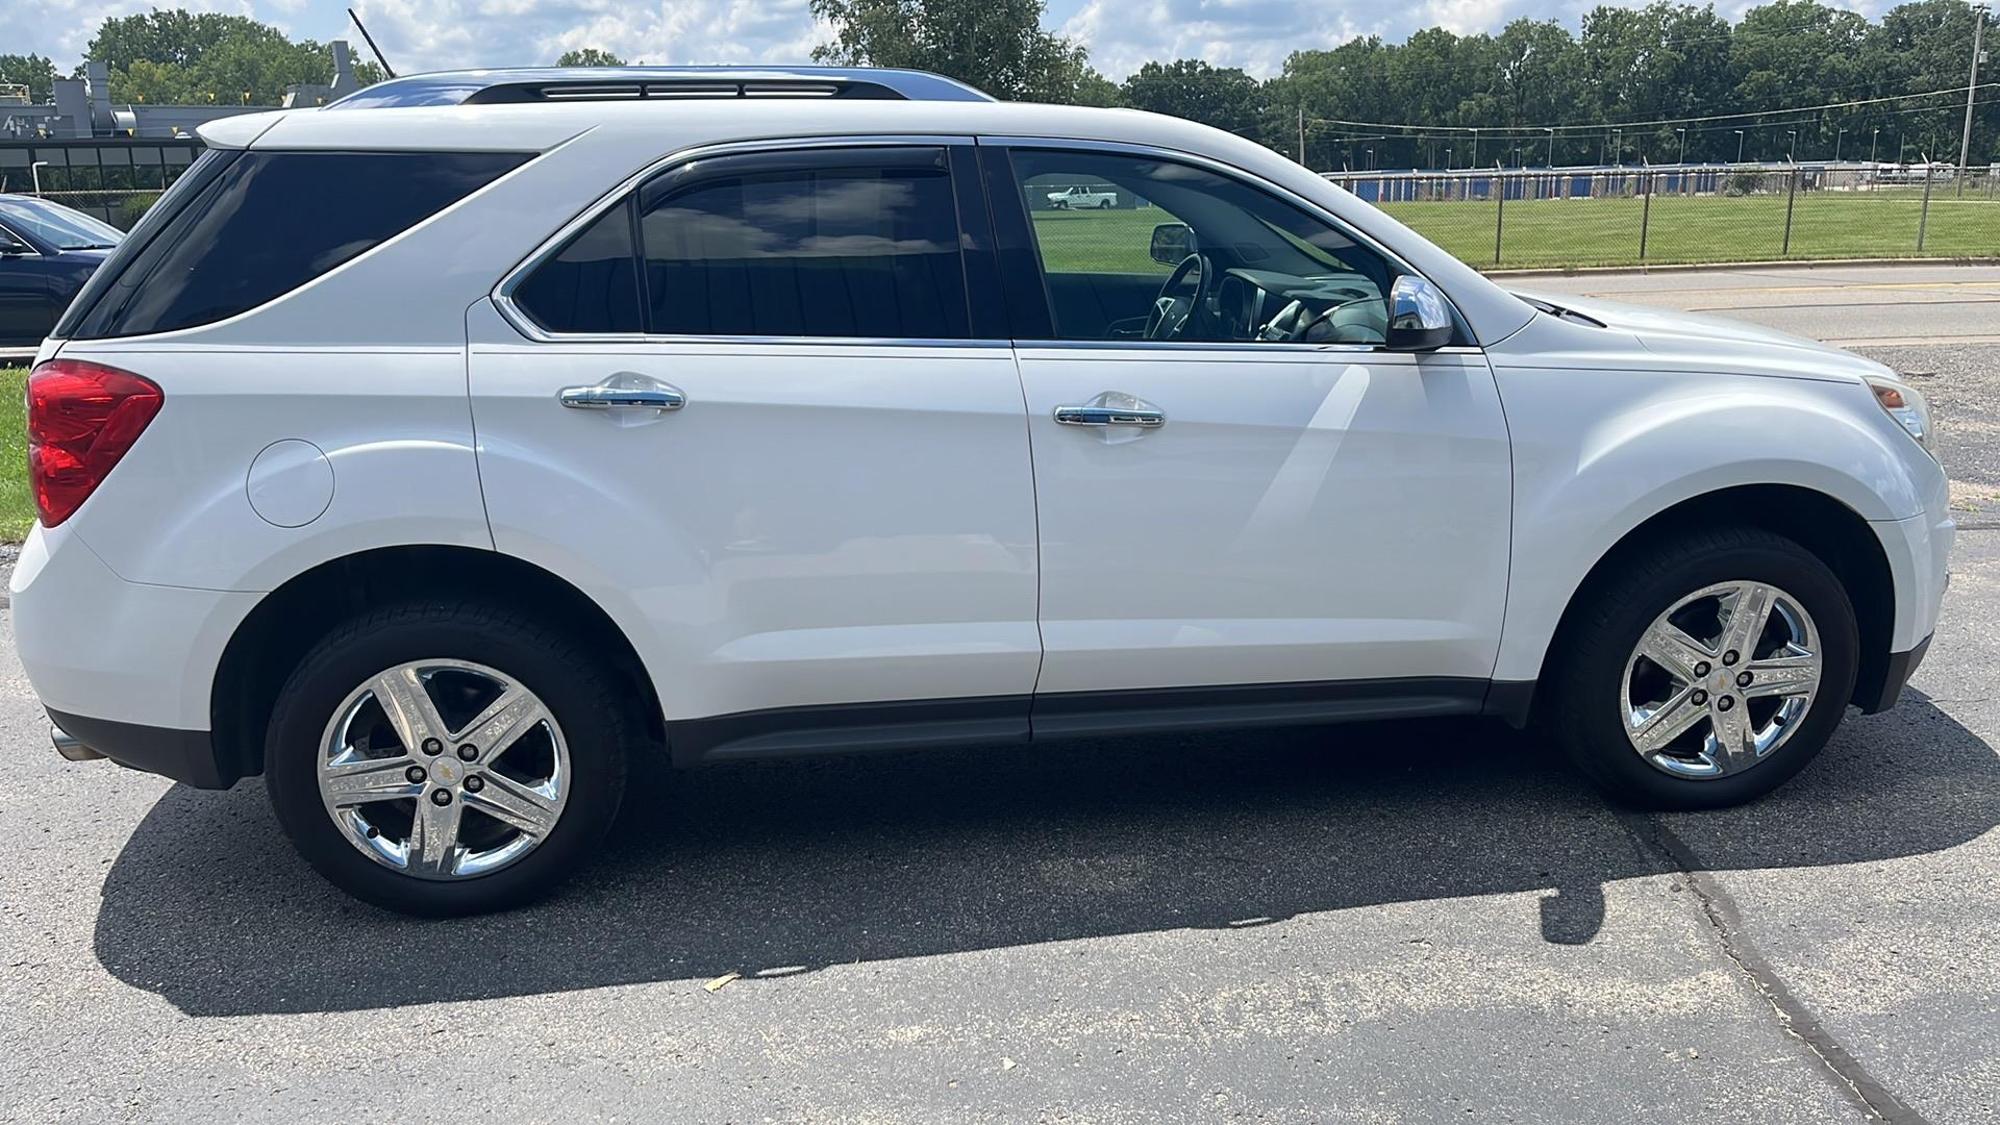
(1172, 243)
(11, 247)
(1419, 317)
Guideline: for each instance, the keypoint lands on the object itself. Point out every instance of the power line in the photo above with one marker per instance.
(1507, 130)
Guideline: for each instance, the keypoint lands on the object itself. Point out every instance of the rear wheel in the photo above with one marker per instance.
(1708, 673)
(447, 759)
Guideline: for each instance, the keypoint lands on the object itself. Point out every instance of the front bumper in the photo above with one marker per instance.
(1886, 688)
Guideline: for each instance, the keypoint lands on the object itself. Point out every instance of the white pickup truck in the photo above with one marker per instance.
(1081, 198)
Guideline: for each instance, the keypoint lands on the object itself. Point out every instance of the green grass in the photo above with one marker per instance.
(1605, 231)
(17, 507)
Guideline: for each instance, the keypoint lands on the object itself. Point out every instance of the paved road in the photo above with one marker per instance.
(1419, 923)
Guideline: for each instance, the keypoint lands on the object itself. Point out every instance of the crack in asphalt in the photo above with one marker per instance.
(1874, 1099)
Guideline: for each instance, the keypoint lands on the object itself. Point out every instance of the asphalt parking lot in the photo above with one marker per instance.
(1412, 923)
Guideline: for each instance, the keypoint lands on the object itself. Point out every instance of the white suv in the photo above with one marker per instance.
(438, 452)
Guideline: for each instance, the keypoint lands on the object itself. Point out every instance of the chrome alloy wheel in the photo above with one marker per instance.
(1721, 679)
(444, 769)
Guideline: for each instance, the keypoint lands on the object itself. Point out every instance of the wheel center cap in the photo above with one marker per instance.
(447, 771)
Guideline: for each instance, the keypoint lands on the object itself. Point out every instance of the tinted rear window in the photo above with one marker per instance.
(269, 222)
(593, 285)
(868, 250)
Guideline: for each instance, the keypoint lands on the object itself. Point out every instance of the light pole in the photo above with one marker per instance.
(1618, 147)
(1475, 148)
(1971, 87)
(1874, 138)
(1739, 146)
(1837, 134)
(1792, 147)
(1552, 146)
(35, 170)
(1684, 145)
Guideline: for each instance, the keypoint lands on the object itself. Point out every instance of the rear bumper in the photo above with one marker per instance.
(185, 755)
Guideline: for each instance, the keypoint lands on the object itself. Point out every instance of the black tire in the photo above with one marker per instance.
(1593, 650)
(570, 680)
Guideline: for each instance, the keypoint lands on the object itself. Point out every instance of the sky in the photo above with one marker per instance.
(422, 35)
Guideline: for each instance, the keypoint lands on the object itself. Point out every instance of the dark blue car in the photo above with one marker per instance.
(47, 252)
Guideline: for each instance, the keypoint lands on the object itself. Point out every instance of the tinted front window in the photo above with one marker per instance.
(868, 247)
(1135, 270)
(272, 221)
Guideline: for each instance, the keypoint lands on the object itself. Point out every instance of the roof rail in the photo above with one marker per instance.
(647, 83)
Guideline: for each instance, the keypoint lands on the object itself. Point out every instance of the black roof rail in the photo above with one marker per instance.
(663, 83)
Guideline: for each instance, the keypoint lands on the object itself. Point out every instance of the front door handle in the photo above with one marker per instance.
(1113, 408)
(627, 390)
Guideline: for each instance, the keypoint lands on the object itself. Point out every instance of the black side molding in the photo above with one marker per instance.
(980, 720)
(187, 756)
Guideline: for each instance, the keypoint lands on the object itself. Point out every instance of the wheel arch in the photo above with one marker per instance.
(1822, 524)
(271, 640)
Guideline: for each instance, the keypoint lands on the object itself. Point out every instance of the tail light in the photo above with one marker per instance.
(82, 417)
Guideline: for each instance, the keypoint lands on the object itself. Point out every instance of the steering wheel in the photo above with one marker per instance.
(1170, 316)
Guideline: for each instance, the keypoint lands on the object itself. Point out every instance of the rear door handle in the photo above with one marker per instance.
(623, 391)
(1113, 408)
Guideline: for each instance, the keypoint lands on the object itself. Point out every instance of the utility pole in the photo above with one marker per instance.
(1971, 88)
(1302, 135)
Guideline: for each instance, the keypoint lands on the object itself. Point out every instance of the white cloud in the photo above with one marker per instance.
(1121, 34)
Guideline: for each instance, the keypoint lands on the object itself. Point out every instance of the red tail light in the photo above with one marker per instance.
(82, 417)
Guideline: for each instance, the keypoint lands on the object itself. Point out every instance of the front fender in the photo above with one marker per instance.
(1598, 453)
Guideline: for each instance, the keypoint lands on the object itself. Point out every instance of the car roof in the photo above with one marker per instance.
(681, 83)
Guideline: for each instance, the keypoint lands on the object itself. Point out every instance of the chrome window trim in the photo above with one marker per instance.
(502, 294)
(1231, 171)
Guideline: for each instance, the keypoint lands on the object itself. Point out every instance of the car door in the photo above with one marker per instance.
(27, 292)
(1259, 514)
(764, 410)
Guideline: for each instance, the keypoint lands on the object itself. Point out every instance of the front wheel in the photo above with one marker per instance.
(447, 759)
(1708, 672)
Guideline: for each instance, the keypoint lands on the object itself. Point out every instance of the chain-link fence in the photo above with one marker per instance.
(1608, 217)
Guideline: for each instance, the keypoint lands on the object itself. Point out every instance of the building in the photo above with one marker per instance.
(83, 107)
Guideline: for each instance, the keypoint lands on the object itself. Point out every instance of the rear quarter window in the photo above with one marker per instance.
(268, 222)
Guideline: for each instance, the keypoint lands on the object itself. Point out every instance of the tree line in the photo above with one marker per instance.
(174, 57)
(1790, 79)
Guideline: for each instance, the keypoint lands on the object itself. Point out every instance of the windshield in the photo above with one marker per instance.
(56, 224)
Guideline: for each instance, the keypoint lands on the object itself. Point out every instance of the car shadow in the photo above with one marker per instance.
(787, 867)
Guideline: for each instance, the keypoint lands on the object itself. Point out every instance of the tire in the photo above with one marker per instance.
(458, 651)
(1598, 672)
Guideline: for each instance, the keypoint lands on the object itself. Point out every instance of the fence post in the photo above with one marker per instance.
(1499, 211)
(1791, 197)
(1924, 216)
(1645, 209)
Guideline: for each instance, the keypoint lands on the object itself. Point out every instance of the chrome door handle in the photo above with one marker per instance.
(1111, 416)
(610, 396)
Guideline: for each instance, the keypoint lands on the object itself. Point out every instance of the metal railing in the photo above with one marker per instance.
(1529, 218)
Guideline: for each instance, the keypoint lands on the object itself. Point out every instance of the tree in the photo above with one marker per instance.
(589, 56)
(997, 45)
(172, 56)
(33, 71)
(1225, 98)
